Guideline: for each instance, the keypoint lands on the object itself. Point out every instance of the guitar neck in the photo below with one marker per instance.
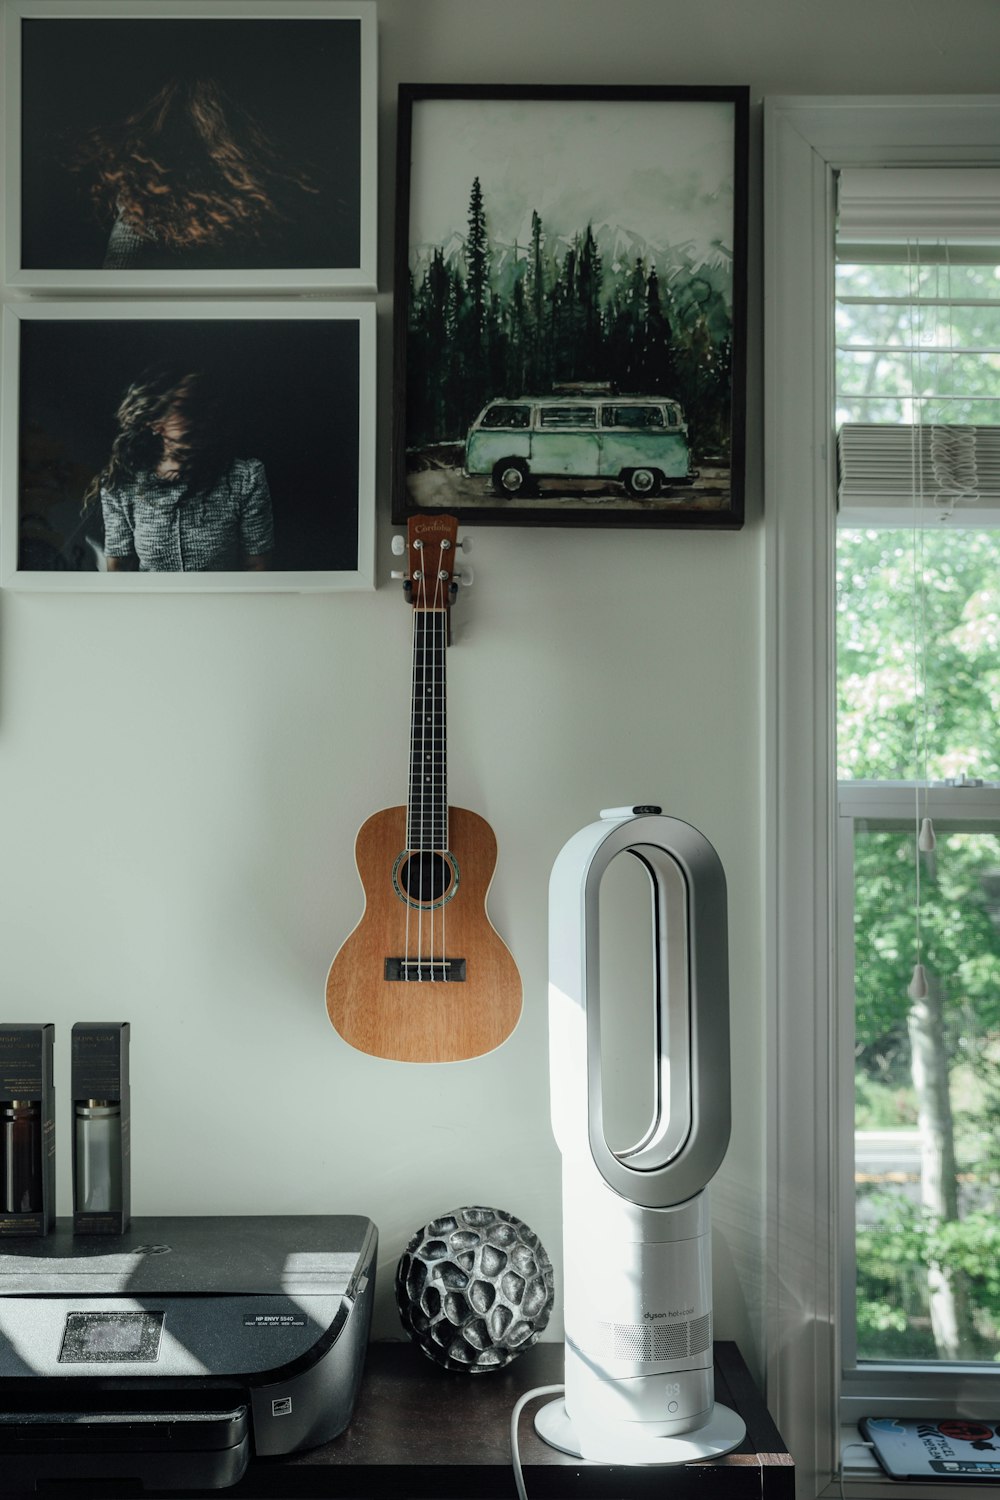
(427, 805)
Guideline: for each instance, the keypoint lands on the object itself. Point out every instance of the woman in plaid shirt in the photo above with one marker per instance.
(173, 496)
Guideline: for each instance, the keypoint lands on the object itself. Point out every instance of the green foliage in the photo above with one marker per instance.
(892, 1315)
(878, 1107)
(958, 941)
(892, 1265)
(878, 1318)
(970, 1245)
(895, 591)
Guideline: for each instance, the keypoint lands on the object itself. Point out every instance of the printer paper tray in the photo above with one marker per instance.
(162, 1448)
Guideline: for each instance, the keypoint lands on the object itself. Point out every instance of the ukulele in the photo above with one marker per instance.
(424, 977)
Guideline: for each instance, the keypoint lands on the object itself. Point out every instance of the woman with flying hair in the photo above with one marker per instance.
(173, 496)
(191, 179)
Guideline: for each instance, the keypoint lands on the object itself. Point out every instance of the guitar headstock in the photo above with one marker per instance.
(432, 542)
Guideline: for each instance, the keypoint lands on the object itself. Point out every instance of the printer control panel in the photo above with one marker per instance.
(102, 1338)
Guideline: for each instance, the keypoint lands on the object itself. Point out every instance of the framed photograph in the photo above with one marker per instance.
(196, 445)
(177, 145)
(570, 305)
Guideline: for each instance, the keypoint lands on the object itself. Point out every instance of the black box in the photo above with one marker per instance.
(101, 1129)
(27, 1129)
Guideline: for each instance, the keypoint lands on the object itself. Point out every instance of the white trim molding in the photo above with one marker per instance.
(806, 141)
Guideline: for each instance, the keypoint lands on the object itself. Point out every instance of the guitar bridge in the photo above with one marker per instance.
(439, 970)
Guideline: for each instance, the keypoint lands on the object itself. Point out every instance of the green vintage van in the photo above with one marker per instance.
(639, 441)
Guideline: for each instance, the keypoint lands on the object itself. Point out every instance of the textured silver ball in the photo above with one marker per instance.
(474, 1288)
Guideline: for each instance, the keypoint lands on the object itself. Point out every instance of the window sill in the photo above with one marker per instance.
(862, 1477)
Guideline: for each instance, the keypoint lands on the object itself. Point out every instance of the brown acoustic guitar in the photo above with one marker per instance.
(424, 977)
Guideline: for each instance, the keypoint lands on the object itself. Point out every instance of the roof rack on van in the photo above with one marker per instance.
(581, 388)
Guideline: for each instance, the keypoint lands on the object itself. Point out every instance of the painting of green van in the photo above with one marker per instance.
(569, 311)
(640, 442)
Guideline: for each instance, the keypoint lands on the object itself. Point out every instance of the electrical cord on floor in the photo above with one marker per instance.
(846, 1449)
(515, 1417)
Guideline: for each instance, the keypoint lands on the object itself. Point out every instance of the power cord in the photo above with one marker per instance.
(846, 1449)
(515, 1417)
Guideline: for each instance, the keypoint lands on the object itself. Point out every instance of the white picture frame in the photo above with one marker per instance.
(79, 79)
(297, 378)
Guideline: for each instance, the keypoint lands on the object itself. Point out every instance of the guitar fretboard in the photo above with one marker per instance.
(427, 805)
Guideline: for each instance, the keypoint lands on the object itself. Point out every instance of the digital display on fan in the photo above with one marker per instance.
(111, 1338)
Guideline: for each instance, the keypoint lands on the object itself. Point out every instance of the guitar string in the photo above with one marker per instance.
(416, 761)
(427, 788)
(422, 834)
(424, 740)
(434, 751)
(439, 697)
(410, 827)
(426, 815)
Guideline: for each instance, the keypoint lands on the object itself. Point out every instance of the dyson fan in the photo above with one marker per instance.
(637, 1278)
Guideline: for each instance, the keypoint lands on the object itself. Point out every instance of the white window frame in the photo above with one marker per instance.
(806, 141)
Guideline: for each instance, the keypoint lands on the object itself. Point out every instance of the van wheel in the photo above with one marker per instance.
(511, 477)
(642, 484)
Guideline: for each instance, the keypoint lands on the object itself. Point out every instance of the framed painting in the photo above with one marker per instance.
(174, 145)
(570, 305)
(195, 445)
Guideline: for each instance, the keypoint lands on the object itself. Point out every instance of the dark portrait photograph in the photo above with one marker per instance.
(176, 448)
(157, 145)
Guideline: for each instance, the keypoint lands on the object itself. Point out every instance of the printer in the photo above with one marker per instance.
(166, 1357)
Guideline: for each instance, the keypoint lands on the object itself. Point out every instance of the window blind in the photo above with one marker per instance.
(896, 204)
(906, 474)
(918, 346)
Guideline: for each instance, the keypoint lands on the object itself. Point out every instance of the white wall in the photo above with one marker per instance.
(181, 778)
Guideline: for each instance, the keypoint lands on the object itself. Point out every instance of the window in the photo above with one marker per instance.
(567, 416)
(918, 689)
(506, 416)
(632, 416)
(813, 1348)
(920, 1258)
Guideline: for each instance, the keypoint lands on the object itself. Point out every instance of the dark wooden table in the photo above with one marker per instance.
(421, 1433)
(418, 1431)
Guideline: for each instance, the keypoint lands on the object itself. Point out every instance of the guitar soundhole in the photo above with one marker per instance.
(425, 878)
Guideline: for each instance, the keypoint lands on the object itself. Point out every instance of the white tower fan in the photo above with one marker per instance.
(637, 1277)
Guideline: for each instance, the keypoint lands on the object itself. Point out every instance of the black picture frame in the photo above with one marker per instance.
(568, 259)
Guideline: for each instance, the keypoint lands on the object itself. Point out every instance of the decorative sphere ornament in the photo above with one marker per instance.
(474, 1288)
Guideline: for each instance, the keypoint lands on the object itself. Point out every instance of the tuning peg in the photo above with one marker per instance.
(464, 576)
(397, 573)
(465, 542)
(398, 546)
